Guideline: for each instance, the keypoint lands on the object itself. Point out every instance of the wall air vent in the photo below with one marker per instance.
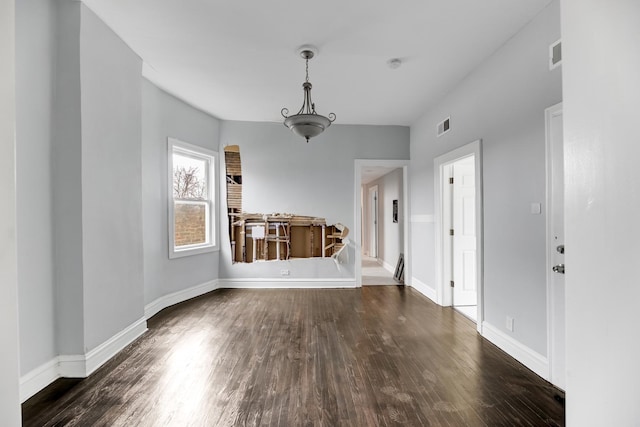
(555, 55)
(443, 127)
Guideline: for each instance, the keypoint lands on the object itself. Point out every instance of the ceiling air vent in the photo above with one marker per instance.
(443, 127)
(555, 55)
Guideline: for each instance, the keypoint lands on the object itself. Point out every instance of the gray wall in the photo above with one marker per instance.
(166, 116)
(97, 207)
(35, 39)
(282, 173)
(67, 181)
(80, 221)
(111, 182)
(9, 369)
(390, 234)
(80, 231)
(502, 102)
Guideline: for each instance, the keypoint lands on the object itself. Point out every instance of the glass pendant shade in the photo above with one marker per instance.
(307, 123)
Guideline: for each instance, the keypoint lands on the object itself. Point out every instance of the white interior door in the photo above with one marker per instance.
(555, 158)
(373, 222)
(465, 290)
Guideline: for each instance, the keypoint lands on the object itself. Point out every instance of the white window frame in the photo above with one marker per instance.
(177, 146)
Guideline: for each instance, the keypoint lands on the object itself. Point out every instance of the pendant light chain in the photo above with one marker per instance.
(307, 61)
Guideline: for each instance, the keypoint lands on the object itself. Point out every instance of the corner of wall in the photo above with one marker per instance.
(523, 354)
(424, 289)
(79, 365)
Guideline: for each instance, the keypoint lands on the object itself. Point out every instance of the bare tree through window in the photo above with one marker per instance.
(188, 183)
(190, 193)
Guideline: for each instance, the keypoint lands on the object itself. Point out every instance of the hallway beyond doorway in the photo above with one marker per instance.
(373, 273)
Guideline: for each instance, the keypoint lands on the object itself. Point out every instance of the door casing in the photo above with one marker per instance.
(441, 180)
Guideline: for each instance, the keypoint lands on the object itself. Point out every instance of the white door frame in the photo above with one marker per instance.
(441, 180)
(359, 165)
(372, 222)
(549, 113)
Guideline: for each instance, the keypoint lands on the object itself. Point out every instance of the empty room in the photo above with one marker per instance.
(334, 214)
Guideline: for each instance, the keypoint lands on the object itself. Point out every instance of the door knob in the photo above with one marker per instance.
(560, 249)
(558, 268)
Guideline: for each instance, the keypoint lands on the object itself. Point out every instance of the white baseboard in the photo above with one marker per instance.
(177, 297)
(105, 351)
(390, 268)
(79, 366)
(523, 354)
(286, 283)
(424, 289)
(37, 379)
(72, 366)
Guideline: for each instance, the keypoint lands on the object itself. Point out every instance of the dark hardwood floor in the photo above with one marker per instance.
(373, 356)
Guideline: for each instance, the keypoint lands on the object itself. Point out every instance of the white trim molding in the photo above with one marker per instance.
(81, 366)
(78, 365)
(424, 289)
(105, 351)
(248, 283)
(38, 378)
(514, 348)
(72, 366)
(163, 302)
(384, 264)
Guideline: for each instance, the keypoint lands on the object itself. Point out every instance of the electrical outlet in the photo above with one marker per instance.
(284, 272)
(510, 323)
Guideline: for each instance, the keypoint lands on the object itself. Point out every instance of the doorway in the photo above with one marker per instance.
(384, 186)
(458, 197)
(392, 237)
(555, 245)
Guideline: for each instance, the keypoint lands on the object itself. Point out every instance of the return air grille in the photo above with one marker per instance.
(555, 55)
(443, 127)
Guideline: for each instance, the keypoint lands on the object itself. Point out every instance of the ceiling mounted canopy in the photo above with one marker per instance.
(306, 122)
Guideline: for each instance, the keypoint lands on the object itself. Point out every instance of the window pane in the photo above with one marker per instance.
(190, 223)
(189, 177)
(192, 193)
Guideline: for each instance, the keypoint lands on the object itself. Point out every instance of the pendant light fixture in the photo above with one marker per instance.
(306, 122)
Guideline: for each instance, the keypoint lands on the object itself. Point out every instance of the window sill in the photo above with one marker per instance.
(192, 251)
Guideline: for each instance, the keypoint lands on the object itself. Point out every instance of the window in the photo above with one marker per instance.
(192, 199)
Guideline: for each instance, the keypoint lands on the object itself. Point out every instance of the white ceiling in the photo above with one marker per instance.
(371, 173)
(237, 59)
